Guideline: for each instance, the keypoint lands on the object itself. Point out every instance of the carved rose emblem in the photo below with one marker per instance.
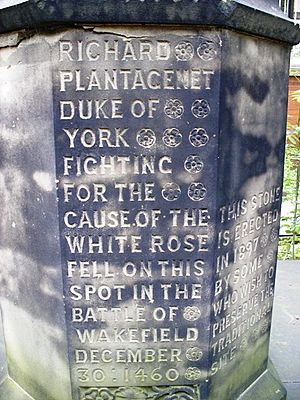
(184, 51)
(171, 191)
(177, 393)
(191, 313)
(172, 137)
(193, 164)
(178, 396)
(263, 240)
(174, 108)
(207, 50)
(146, 138)
(273, 234)
(98, 394)
(270, 256)
(194, 354)
(192, 374)
(244, 344)
(200, 108)
(198, 137)
(197, 191)
(264, 326)
(255, 334)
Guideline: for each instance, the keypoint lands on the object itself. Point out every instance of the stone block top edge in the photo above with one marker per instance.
(257, 17)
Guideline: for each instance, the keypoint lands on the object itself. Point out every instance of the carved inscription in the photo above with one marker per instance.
(136, 126)
(245, 272)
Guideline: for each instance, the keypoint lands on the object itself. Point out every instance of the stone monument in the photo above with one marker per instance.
(142, 147)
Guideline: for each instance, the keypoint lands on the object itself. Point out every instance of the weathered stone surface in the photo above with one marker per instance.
(258, 17)
(142, 177)
(267, 386)
(31, 288)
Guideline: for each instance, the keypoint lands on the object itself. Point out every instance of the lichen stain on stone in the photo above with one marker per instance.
(228, 380)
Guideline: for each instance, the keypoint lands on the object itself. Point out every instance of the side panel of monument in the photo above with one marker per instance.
(30, 274)
(251, 153)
